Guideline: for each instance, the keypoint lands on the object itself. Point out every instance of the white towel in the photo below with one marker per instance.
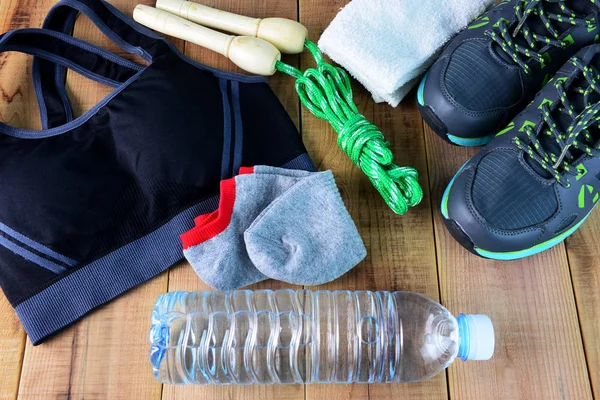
(387, 44)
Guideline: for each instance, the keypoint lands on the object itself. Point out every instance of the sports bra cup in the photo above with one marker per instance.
(94, 205)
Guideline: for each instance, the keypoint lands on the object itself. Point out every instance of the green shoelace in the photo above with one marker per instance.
(326, 92)
(525, 9)
(576, 135)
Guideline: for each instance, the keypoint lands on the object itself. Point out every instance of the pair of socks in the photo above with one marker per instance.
(288, 225)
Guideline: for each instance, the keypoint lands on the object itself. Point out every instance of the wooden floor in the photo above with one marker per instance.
(545, 308)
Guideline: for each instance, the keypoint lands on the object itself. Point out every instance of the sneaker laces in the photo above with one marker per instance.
(557, 158)
(527, 10)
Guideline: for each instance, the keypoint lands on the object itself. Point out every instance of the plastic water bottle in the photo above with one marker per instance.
(288, 336)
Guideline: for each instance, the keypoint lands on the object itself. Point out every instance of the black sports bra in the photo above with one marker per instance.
(94, 205)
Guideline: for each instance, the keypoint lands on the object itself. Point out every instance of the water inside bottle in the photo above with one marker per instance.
(288, 336)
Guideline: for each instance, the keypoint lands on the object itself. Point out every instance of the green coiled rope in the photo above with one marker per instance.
(327, 93)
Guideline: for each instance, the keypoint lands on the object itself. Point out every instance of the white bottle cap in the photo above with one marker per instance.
(480, 337)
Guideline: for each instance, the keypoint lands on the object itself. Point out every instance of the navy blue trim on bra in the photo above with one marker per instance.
(35, 72)
(302, 162)
(226, 130)
(62, 92)
(238, 127)
(36, 246)
(31, 256)
(60, 76)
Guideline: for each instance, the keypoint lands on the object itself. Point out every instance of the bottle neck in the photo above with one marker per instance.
(463, 337)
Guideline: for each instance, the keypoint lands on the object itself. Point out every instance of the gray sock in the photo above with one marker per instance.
(259, 169)
(216, 250)
(305, 236)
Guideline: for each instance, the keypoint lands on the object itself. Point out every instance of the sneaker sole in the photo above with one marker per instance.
(436, 124)
(463, 238)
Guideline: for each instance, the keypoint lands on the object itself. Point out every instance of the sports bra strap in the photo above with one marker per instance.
(49, 77)
(126, 33)
(91, 61)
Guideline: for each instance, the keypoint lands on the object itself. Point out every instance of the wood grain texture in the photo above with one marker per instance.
(539, 354)
(582, 249)
(400, 249)
(104, 355)
(12, 344)
(534, 303)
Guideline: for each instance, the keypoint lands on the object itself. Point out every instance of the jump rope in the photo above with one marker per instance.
(325, 90)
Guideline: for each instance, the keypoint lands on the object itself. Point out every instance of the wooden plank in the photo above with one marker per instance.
(539, 354)
(183, 277)
(18, 107)
(582, 250)
(12, 343)
(400, 249)
(104, 355)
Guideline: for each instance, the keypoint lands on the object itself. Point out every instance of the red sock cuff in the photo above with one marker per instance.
(211, 229)
(246, 170)
(206, 218)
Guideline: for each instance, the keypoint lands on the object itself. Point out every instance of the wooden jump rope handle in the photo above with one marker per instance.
(252, 54)
(285, 34)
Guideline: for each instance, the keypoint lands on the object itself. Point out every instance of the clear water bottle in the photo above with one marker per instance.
(300, 336)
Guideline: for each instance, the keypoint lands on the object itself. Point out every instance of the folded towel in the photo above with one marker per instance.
(387, 44)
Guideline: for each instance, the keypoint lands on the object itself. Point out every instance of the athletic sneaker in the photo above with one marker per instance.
(492, 69)
(537, 181)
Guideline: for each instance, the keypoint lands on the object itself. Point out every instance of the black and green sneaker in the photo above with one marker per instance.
(492, 69)
(537, 181)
